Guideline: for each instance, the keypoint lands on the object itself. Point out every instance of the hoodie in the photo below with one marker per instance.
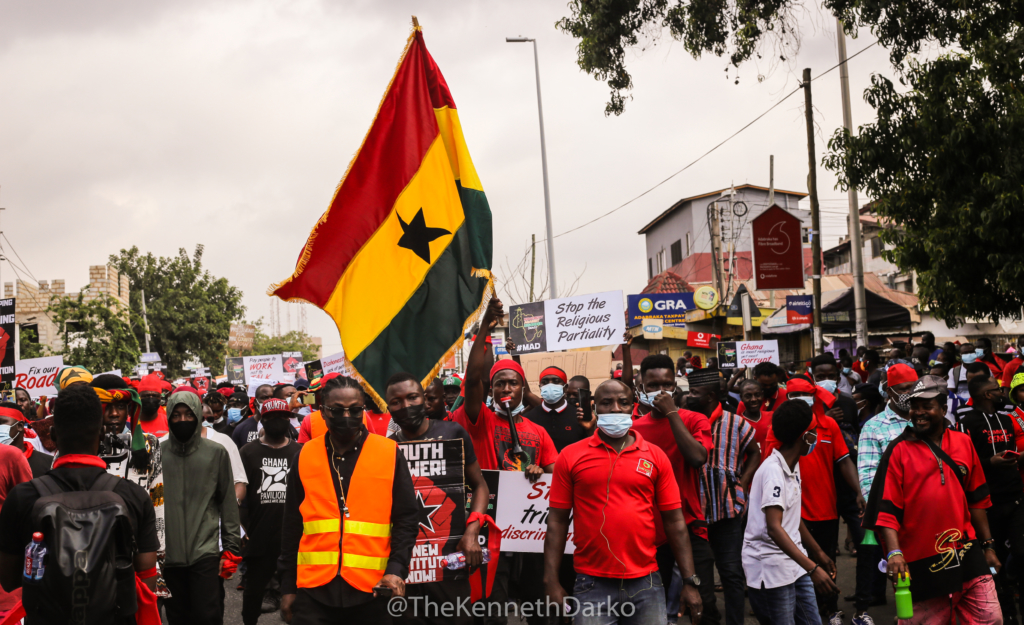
(199, 493)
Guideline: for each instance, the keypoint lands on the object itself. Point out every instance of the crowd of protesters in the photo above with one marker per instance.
(668, 472)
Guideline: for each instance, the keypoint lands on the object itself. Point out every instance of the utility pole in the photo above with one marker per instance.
(771, 202)
(856, 242)
(145, 319)
(716, 247)
(812, 189)
(533, 261)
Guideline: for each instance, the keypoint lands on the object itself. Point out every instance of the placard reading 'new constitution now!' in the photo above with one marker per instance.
(591, 320)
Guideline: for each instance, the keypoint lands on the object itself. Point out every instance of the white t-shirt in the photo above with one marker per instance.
(237, 468)
(764, 563)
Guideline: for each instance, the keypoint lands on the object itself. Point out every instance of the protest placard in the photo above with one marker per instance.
(438, 477)
(241, 336)
(36, 375)
(234, 368)
(526, 327)
(314, 370)
(263, 367)
(7, 368)
(580, 321)
(252, 384)
(291, 362)
(522, 512)
(745, 354)
(336, 363)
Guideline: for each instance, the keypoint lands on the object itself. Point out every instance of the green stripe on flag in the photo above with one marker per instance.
(431, 321)
(478, 223)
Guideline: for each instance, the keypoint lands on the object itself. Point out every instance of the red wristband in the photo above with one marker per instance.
(147, 573)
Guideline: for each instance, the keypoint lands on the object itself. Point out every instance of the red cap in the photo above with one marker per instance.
(900, 373)
(151, 383)
(617, 374)
(227, 391)
(189, 389)
(800, 385)
(555, 371)
(507, 363)
(274, 405)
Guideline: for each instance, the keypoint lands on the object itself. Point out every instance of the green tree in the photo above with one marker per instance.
(29, 345)
(293, 341)
(96, 334)
(189, 310)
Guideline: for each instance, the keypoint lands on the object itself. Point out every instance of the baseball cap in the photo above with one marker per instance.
(451, 381)
(929, 386)
(274, 405)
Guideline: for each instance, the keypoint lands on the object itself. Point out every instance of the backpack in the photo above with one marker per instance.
(89, 576)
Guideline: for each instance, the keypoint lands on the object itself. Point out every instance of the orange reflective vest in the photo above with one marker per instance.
(365, 543)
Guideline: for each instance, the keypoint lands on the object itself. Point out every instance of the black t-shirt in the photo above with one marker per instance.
(560, 424)
(992, 434)
(438, 430)
(15, 517)
(248, 430)
(39, 462)
(267, 471)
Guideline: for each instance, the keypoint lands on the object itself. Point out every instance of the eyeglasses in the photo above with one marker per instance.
(340, 412)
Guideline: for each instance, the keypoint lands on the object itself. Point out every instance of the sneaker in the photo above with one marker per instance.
(863, 619)
(836, 618)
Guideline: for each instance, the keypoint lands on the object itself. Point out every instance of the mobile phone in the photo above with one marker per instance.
(588, 407)
(1009, 453)
(383, 591)
(309, 399)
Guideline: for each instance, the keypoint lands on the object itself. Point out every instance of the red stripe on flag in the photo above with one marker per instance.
(390, 156)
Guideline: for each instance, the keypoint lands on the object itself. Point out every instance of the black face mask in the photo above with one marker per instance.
(183, 430)
(345, 427)
(693, 404)
(276, 427)
(150, 405)
(409, 418)
(999, 404)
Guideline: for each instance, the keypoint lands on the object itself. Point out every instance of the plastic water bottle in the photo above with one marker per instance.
(904, 605)
(35, 552)
(457, 560)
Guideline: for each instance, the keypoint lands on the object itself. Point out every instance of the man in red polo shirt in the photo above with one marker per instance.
(685, 437)
(818, 468)
(616, 487)
(928, 504)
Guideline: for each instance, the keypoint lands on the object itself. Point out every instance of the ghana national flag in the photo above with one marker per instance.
(401, 258)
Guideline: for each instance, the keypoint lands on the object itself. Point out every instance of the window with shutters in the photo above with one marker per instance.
(677, 253)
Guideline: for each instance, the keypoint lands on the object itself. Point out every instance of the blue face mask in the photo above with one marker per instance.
(5, 435)
(979, 352)
(828, 385)
(490, 401)
(515, 411)
(647, 399)
(234, 415)
(968, 358)
(614, 425)
(552, 393)
(808, 399)
(847, 371)
(689, 370)
(811, 450)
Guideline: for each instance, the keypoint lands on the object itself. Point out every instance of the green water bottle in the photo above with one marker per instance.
(904, 604)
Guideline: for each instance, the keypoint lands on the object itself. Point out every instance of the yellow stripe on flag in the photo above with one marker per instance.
(455, 145)
(383, 276)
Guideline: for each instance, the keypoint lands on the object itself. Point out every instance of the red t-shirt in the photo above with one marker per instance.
(932, 519)
(1010, 370)
(158, 426)
(615, 503)
(377, 423)
(492, 440)
(14, 470)
(818, 500)
(1017, 418)
(658, 432)
(761, 428)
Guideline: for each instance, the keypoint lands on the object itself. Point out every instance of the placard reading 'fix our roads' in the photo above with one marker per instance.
(567, 323)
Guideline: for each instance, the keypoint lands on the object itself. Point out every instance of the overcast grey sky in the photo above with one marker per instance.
(166, 125)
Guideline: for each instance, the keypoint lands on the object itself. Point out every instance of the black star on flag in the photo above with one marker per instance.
(425, 512)
(417, 236)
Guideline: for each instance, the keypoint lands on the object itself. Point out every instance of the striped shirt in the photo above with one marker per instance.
(720, 476)
(875, 437)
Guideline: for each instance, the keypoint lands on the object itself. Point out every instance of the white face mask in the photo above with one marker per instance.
(614, 425)
(808, 399)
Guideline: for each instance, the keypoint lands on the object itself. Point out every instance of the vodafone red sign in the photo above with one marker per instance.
(778, 250)
(700, 339)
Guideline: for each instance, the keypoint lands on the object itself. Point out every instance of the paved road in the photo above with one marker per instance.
(883, 615)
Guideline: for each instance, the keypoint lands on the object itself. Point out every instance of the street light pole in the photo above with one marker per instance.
(553, 291)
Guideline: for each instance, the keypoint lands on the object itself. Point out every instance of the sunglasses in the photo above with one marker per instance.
(341, 412)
